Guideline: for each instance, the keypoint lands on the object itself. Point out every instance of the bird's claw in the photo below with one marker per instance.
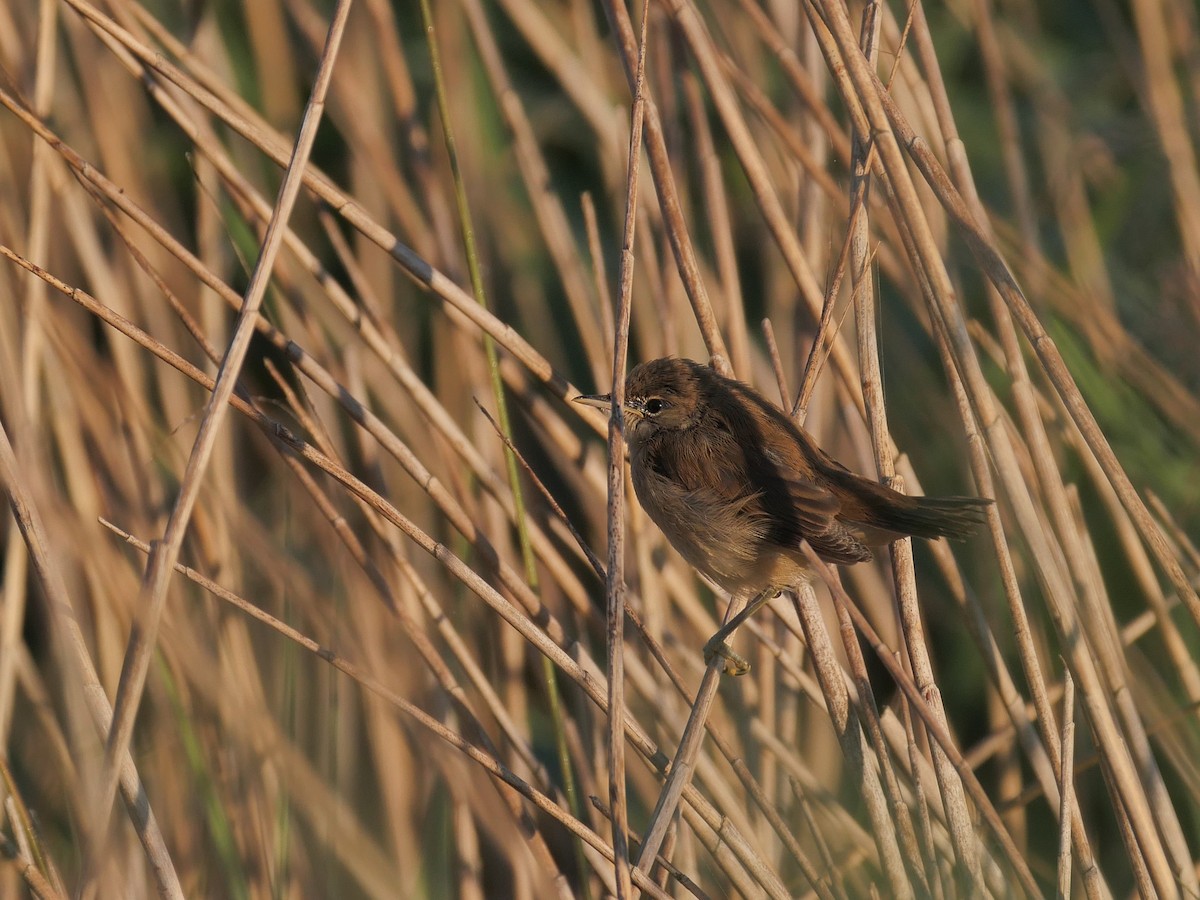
(735, 663)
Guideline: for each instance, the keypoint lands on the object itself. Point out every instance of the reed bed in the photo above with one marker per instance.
(314, 576)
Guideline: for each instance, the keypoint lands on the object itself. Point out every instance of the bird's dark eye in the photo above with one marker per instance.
(654, 406)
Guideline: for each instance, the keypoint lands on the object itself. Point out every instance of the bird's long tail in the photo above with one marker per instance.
(933, 517)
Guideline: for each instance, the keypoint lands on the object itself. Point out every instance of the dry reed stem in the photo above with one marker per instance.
(684, 761)
(903, 571)
(1066, 789)
(664, 864)
(961, 832)
(1031, 665)
(1015, 360)
(868, 710)
(1052, 361)
(930, 718)
(36, 866)
(924, 823)
(668, 195)
(1171, 120)
(615, 578)
(874, 101)
(32, 338)
(66, 623)
(852, 739)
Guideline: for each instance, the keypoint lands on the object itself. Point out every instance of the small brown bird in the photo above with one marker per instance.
(736, 486)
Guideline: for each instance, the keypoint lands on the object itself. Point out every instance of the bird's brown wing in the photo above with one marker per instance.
(801, 502)
(783, 510)
(794, 521)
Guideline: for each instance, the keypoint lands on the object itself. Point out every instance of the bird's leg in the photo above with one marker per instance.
(735, 664)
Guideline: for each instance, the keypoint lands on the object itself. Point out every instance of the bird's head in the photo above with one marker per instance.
(663, 394)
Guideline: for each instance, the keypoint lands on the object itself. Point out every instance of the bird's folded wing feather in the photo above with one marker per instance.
(788, 510)
(795, 519)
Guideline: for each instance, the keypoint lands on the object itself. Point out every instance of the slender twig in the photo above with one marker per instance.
(615, 585)
(1066, 789)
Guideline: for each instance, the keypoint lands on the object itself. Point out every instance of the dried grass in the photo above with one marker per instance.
(379, 671)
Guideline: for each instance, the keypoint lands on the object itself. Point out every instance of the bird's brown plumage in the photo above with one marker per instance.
(736, 486)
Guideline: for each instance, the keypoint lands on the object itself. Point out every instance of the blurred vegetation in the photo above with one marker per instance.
(275, 768)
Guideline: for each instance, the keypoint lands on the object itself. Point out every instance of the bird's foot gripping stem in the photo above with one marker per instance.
(735, 663)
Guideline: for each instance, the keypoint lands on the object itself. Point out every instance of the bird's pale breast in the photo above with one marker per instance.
(724, 537)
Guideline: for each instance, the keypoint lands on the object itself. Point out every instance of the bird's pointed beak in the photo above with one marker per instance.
(600, 401)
